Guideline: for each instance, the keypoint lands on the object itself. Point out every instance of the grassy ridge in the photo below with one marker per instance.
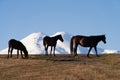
(61, 67)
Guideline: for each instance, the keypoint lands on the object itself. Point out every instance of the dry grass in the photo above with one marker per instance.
(61, 67)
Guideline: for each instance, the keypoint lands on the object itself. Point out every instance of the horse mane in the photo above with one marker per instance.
(57, 35)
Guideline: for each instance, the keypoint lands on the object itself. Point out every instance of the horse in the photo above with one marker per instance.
(86, 41)
(15, 44)
(51, 41)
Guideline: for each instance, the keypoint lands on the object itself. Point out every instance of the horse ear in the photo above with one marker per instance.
(104, 34)
(60, 35)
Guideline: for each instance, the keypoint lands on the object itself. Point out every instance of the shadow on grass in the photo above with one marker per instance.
(60, 58)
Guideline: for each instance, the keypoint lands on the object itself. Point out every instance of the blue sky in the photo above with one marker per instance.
(19, 18)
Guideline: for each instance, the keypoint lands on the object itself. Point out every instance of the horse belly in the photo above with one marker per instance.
(85, 43)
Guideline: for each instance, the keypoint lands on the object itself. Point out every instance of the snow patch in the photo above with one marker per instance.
(34, 45)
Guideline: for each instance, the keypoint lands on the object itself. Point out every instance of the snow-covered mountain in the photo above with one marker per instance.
(34, 44)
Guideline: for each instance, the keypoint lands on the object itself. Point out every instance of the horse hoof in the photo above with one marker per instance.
(46, 54)
(98, 56)
(88, 56)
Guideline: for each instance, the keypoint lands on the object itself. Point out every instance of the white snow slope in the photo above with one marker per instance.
(34, 45)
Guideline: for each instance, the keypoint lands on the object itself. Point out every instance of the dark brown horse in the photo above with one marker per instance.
(86, 41)
(14, 44)
(51, 41)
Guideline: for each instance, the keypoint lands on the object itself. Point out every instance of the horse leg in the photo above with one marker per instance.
(21, 54)
(75, 50)
(17, 53)
(71, 47)
(46, 48)
(54, 51)
(89, 52)
(51, 51)
(96, 51)
(8, 52)
(72, 50)
(11, 52)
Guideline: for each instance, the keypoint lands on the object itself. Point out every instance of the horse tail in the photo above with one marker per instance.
(71, 45)
(8, 48)
(44, 42)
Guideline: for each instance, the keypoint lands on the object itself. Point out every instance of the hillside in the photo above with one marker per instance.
(61, 67)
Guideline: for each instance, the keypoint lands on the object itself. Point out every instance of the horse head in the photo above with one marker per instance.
(104, 39)
(26, 53)
(60, 38)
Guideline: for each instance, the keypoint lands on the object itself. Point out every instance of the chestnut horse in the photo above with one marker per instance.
(51, 41)
(86, 41)
(14, 44)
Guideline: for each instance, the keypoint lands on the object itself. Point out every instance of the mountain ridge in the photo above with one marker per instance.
(34, 44)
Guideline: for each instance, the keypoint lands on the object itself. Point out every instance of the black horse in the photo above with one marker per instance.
(51, 41)
(14, 44)
(86, 41)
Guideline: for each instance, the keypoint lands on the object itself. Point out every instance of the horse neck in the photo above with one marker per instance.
(24, 50)
(56, 38)
(99, 38)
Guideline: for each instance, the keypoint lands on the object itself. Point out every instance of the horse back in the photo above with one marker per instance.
(76, 39)
(46, 40)
(50, 41)
(16, 44)
(88, 41)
